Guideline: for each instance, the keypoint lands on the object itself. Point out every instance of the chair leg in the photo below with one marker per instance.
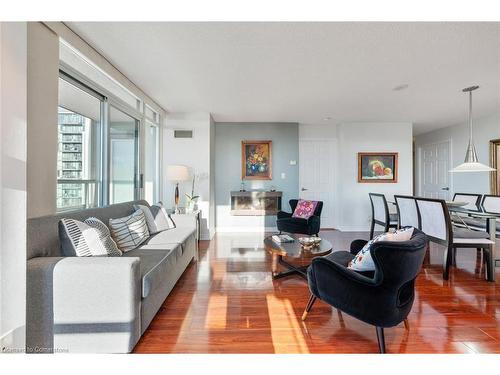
(309, 306)
(372, 229)
(454, 257)
(490, 268)
(446, 262)
(381, 340)
(407, 324)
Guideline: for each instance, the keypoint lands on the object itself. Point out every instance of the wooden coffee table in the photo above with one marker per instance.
(296, 251)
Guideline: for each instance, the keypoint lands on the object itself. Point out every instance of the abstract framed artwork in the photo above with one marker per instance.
(377, 167)
(256, 160)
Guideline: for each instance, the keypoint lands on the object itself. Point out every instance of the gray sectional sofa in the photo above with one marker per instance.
(99, 304)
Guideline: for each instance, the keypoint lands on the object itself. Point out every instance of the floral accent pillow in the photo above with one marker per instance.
(363, 260)
(305, 209)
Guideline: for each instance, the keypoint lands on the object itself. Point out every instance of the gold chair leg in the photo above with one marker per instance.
(407, 324)
(309, 306)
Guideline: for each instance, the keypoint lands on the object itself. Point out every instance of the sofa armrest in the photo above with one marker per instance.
(92, 304)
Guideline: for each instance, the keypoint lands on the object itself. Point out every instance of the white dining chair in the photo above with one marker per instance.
(380, 213)
(407, 211)
(435, 222)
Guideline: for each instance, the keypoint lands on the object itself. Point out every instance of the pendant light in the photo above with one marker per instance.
(471, 162)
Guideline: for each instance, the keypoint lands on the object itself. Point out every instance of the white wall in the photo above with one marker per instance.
(43, 75)
(353, 208)
(13, 123)
(485, 129)
(195, 154)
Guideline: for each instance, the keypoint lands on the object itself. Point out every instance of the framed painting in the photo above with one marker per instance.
(256, 160)
(377, 167)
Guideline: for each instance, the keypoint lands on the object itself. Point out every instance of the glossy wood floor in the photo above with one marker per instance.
(228, 303)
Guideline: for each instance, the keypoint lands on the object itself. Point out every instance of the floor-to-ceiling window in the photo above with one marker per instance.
(78, 157)
(108, 139)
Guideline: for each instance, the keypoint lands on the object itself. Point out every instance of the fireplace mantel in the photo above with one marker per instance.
(255, 202)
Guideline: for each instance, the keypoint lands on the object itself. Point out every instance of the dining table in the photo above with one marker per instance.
(463, 208)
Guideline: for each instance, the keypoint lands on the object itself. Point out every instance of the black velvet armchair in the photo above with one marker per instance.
(287, 223)
(382, 298)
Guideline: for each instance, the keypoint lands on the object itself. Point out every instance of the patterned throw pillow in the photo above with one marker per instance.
(157, 217)
(129, 231)
(105, 236)
(363, 260)
(305, 209)
(85, 240)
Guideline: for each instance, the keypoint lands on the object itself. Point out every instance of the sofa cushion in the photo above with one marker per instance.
(177, 235)
(155, 265)
(157, 218)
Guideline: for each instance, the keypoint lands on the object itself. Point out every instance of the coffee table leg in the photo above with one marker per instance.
(275, 264)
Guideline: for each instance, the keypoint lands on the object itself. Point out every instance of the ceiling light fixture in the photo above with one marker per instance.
(471, 162)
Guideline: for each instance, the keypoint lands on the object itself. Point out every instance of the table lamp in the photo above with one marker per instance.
(177, 173)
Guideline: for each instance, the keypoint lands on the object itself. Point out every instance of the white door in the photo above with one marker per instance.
(317, 176)
(435, 170)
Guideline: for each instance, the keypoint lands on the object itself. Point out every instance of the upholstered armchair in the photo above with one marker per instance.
(382, 298)
(286, 223)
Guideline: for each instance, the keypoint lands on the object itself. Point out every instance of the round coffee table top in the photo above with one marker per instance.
(295, 249)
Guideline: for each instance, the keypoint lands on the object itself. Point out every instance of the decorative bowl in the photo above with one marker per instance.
(309, 241)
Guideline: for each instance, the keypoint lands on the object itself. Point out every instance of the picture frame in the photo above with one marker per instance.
(256, 160)
(378, 167)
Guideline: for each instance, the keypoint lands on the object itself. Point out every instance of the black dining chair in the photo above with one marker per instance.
(287, 223)
(382, 298)
(380, 213)
(489, 204)
(435, 222)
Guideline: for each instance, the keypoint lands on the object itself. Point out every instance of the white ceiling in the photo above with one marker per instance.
(304, 72)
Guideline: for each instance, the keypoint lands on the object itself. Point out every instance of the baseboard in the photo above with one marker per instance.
(245, 229)
(354, 228)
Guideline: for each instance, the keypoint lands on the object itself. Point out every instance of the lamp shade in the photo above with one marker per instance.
(177, 173)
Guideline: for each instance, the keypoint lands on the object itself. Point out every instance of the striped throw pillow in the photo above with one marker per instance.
(157, 218)
(105, 236)
(80, 239)
(130, 231)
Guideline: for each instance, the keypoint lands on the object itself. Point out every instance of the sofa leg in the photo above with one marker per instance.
(309, 306)
(407, 324)
(381, 340)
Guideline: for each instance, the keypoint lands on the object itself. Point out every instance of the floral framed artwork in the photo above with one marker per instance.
(256, 160)
(377, 167)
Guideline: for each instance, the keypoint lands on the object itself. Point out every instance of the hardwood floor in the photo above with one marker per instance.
(228, 303)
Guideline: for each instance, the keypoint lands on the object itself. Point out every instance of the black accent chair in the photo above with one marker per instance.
(287, 223)
(382, 298)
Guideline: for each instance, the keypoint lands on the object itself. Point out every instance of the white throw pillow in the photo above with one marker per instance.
(157, 217)
(130, 231)
(86, 239)
(363, 260)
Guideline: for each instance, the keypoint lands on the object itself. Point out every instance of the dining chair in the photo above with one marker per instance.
(491, 204)
(435, 222)
(380, 213)
(407, 211)
(472, 200)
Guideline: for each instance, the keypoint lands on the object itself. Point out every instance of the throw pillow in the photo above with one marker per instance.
(129, 231)
(363, 260)
(105, 236)
(305, 209)
(80, 239)
(157, 217)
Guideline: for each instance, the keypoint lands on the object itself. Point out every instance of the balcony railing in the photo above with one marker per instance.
(76, 194)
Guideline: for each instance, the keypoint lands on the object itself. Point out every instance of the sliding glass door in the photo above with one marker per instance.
(123, 134)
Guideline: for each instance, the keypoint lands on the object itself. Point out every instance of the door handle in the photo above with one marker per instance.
(303, 189)
(445, 188)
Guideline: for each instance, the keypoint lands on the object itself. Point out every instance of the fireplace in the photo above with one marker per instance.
(255, 203)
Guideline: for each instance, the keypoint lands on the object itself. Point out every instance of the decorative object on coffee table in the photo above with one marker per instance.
(377, 167)
(256, 160)
(296, 251)
(177, 173)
